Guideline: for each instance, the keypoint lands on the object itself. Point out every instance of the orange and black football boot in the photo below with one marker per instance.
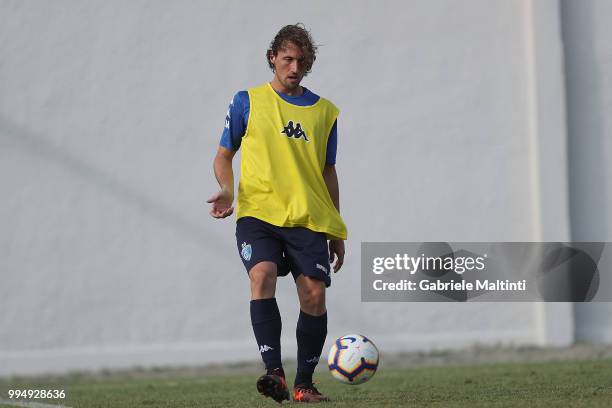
(273, 385)
(308, 393)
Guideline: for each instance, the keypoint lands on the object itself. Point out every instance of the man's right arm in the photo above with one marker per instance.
(223, 199)
(235, 126)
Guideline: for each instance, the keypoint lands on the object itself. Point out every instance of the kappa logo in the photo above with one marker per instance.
(246, 251)
(294, 131)
(228, 115)
(264, 347)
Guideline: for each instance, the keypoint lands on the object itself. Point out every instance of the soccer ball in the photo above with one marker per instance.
(353, 359)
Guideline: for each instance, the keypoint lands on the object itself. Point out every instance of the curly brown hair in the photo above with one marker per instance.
(298, 35)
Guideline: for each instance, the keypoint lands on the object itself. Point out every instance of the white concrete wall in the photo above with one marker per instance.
(110, 114)
(588, 70)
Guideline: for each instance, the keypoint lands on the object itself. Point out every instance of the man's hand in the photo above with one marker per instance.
(221, 204)
(222, 200)
(336, 248)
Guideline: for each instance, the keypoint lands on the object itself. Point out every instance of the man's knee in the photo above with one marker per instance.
(315, 296)
(263, 280)
(312, 296)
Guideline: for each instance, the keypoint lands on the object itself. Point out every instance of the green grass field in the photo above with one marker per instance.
(558, 384)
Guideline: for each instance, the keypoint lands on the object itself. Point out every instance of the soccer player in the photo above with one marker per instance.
(287, 206)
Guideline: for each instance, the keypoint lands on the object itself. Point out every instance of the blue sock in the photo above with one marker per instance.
(310, 332)
(266, 321)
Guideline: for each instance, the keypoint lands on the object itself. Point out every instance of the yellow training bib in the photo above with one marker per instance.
(283, 156)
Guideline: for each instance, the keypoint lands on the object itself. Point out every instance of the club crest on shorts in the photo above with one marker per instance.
(246, 251)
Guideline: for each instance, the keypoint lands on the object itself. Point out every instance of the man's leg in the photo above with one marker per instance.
(310, 332)
(261, 251)
(308, 256)
(265, 315)
(266, 321)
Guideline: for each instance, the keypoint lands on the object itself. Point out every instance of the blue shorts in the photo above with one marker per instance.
(294, 249)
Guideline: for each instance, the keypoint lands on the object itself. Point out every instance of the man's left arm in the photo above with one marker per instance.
(336, 246)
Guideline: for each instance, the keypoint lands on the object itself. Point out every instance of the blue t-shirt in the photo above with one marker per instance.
(238, 116)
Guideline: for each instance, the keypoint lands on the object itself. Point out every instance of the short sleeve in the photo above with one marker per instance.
(236, 121)
(332, 145)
